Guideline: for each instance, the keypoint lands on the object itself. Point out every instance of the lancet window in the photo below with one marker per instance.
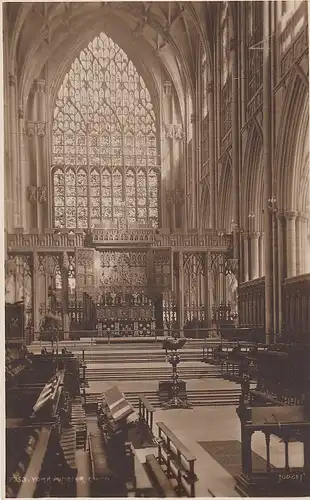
(104, 142)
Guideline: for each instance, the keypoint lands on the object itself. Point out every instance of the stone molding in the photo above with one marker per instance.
(36, 128)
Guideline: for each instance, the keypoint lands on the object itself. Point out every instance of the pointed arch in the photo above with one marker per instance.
(289, 145)
(104, 117)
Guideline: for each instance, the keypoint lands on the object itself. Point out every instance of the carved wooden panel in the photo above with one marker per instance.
(85, 272)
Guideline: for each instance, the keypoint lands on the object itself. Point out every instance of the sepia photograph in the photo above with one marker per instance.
(156, 249)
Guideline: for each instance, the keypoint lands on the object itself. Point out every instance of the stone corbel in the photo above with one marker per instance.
(178, 131)
(31, 129)
(40, 128)
(169, 131)
(32, 194)
(42, 194)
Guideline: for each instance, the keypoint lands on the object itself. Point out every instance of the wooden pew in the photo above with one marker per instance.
(178, 460)
(103, 481)
(157, 474)
(142, 486)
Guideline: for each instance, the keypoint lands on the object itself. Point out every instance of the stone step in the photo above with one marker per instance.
(151, 373)
(137, 357)
(220, 397)
(116, 344)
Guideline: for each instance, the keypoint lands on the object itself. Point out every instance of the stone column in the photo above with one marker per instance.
(245, 237)
(235, 140)
(65, 295)
(254, 238)
(23, 167)
(261, 256)
(212, 155)
(194, 191)
(181, 293)
(14, 151)
(281, 268)
(206, 280)
(36, 295)
(290, 218)
(305, 247)
(268, 182)
(41, 153)
(299, 260)
(169, 136)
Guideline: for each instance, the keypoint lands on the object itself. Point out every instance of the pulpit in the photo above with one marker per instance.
(289, 424)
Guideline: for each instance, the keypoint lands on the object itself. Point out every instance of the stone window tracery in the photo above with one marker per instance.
(104, 143)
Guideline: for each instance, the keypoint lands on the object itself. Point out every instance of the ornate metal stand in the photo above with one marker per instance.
(176, 401)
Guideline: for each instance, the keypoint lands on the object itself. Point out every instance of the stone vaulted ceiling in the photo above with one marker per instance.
(160, 36)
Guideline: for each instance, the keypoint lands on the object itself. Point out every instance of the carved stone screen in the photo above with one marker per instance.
(123, 269)
(104, 144)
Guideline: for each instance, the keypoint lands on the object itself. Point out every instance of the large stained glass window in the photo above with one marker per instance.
(104, 142)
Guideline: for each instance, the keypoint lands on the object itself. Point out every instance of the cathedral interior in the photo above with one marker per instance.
(157, 249)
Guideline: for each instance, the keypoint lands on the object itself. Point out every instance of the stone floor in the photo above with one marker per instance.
(217, 424)
(207, 424)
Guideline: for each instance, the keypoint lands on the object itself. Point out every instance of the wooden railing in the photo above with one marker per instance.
(178, 459)
(146, 414)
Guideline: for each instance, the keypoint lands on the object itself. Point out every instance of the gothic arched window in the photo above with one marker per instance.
(104, 142)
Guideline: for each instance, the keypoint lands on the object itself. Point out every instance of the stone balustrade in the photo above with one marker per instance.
(52, 238)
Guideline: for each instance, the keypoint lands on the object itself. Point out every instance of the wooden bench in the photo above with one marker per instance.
(178, 460)
(159, 477)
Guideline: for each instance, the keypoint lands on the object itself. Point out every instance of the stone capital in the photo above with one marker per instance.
(20, 113)
(167, 87)
(254, 235)
(290, 215)
(245, 235)
(303, 217)
(40, 85)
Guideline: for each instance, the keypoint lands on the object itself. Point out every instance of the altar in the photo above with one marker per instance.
(126, 319)
(127, 289)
